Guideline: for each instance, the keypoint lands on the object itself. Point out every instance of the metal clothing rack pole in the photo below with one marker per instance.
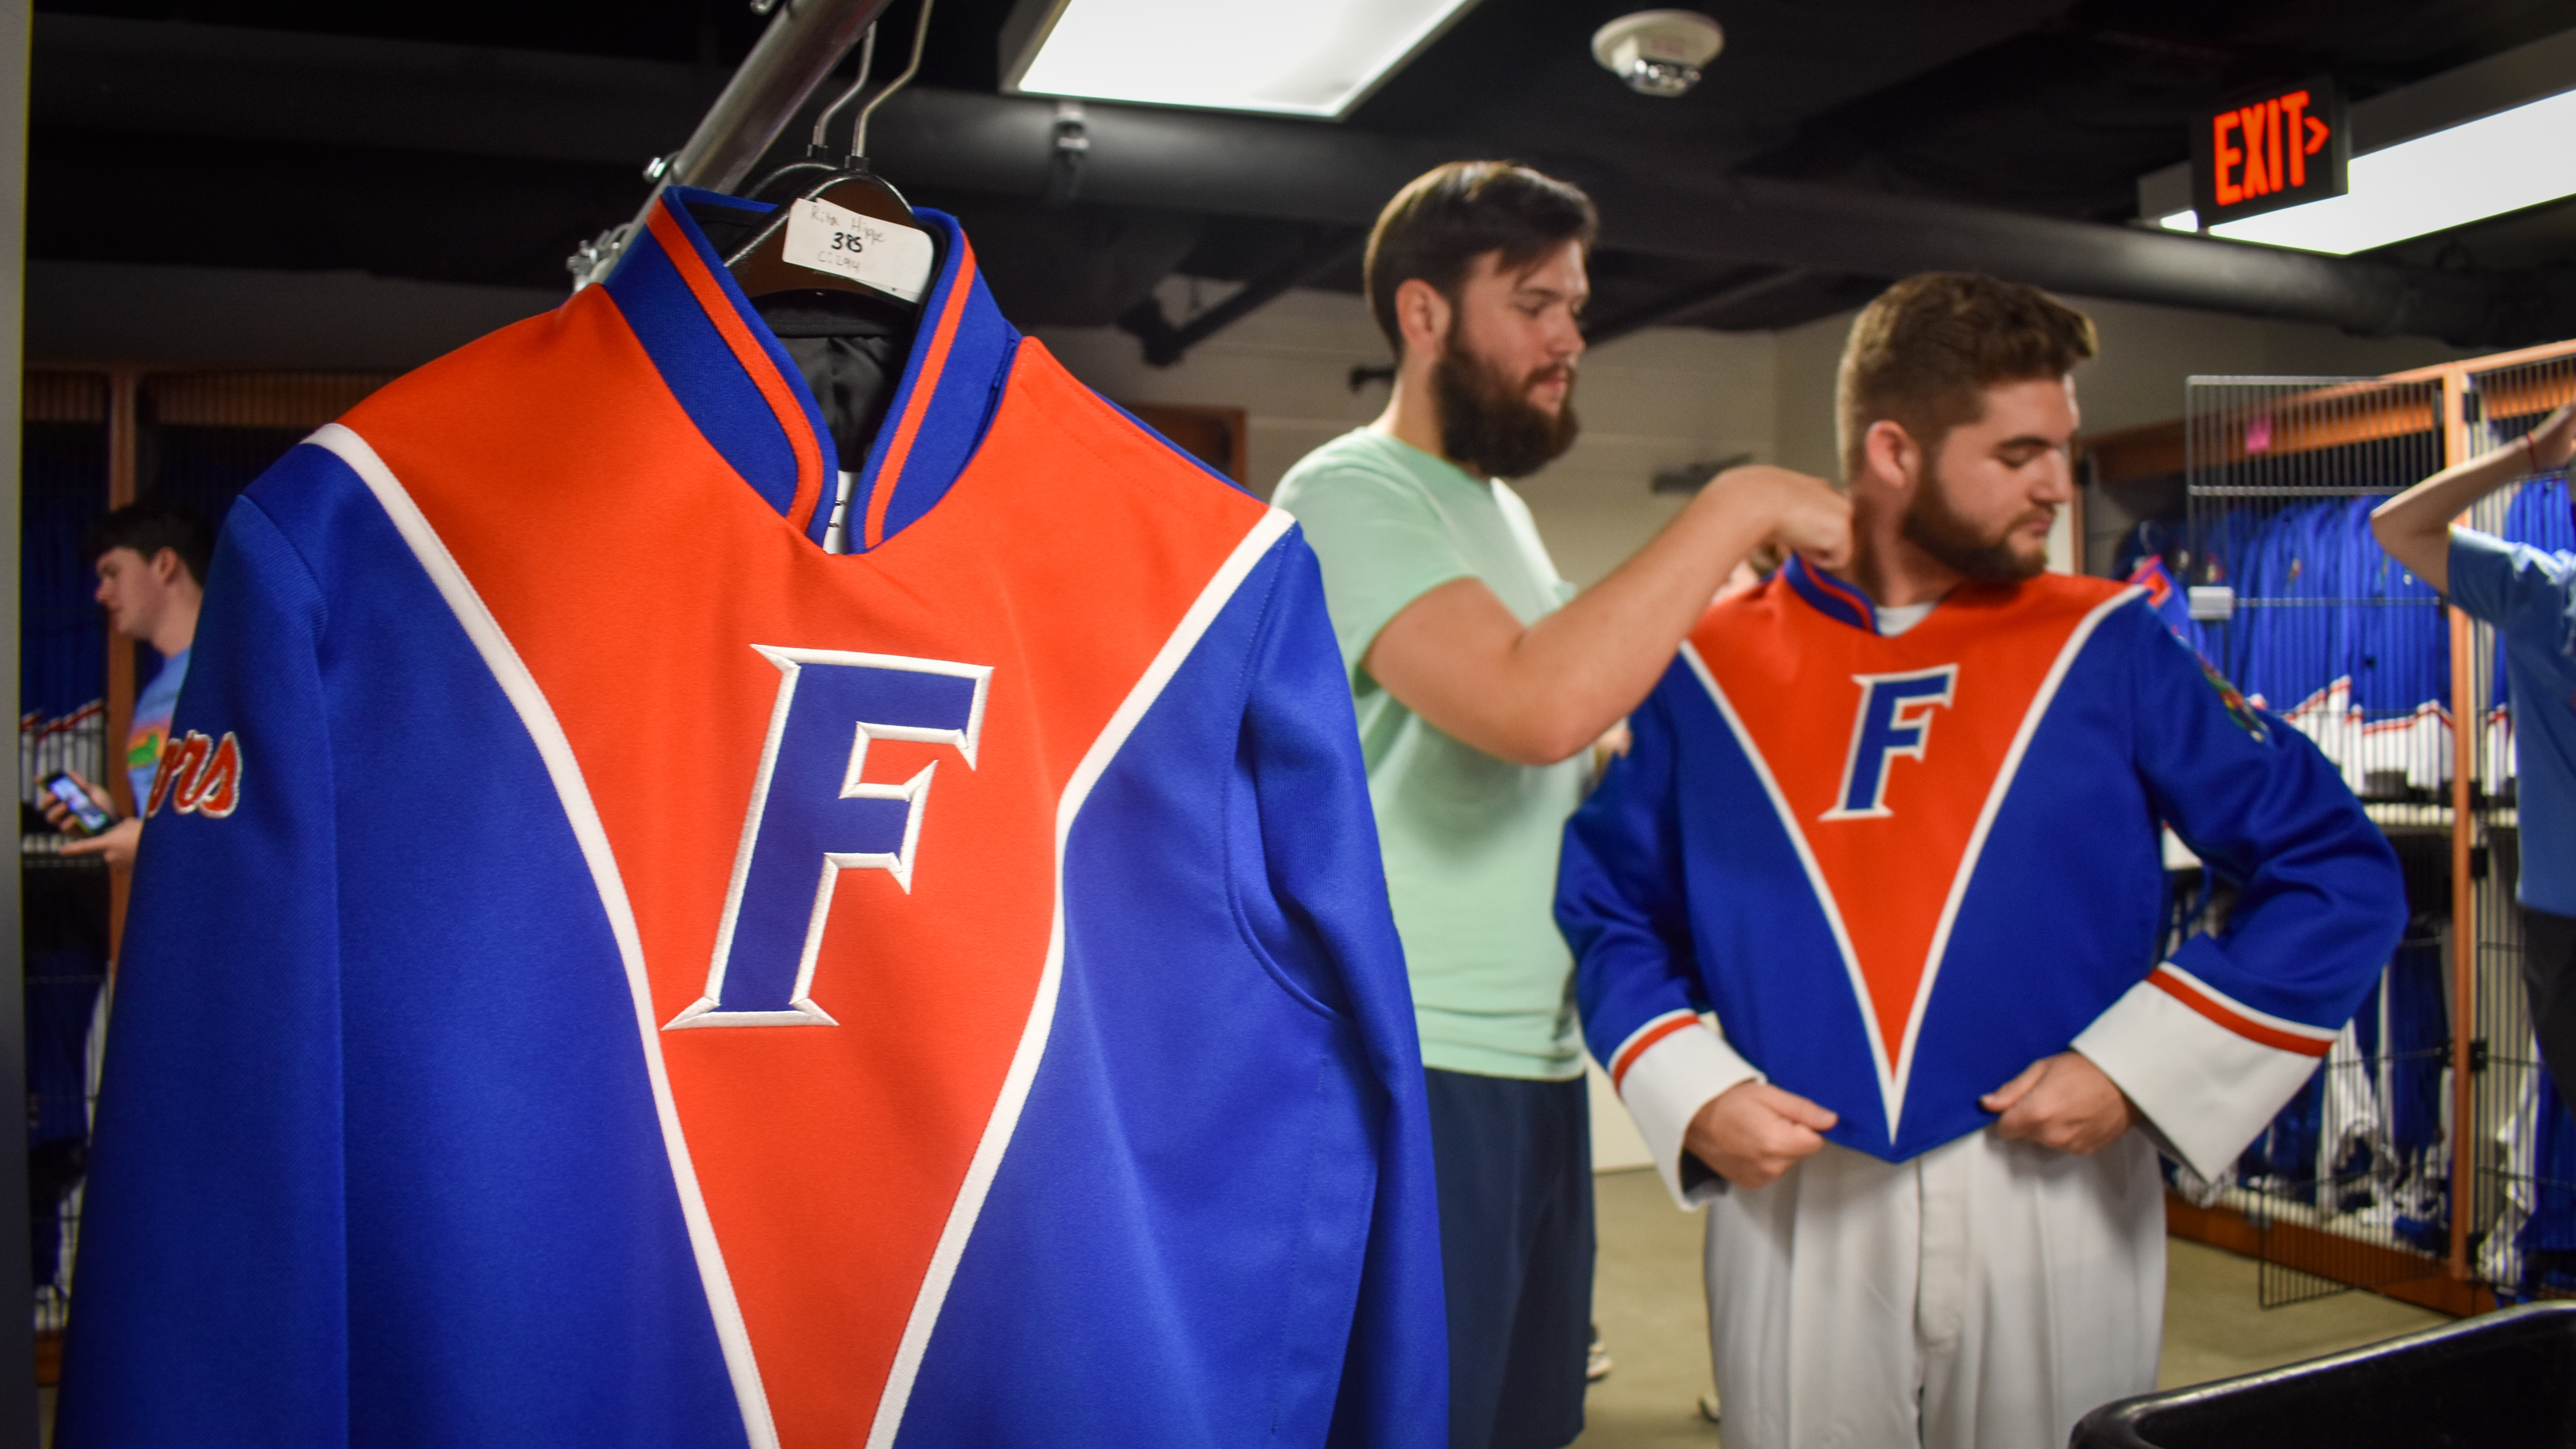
(805, 40)
(17, 1290)
(2466, 711)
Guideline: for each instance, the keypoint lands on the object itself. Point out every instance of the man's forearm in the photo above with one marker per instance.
(1582, 668)
(2415, 526)
(1537, 694)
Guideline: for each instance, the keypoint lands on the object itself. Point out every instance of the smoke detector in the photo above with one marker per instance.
(1658, 52)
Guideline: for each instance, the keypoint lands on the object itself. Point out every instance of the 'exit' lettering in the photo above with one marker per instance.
(2271, 150)
(2262, 129)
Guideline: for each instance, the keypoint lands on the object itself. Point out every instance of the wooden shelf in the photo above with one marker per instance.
(2402, 404)
(2153, 450)
(2329, 417)
(2416, 1278)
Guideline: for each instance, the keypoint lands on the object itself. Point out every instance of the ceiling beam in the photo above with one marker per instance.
(1302, 172)
(196, 85)
(1727, 293)
(1166, 341)
(213, 83)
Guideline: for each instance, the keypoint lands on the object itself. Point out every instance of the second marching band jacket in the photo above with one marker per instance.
(1898, 870)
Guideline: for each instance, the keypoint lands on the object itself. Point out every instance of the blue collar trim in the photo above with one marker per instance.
(960, 359)
(1830, 595)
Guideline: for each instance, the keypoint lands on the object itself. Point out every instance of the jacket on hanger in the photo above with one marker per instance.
(607, 971)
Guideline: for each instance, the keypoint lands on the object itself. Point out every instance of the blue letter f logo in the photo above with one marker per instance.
(1895, 719)
(813, 815)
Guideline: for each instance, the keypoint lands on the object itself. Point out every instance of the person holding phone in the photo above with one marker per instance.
(151, 559)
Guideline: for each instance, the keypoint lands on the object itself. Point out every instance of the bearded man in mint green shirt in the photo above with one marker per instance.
(1480, 679)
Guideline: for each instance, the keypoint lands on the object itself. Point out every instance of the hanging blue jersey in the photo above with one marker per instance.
(2151, 540)
(2552, 1227)
(2405, 1028)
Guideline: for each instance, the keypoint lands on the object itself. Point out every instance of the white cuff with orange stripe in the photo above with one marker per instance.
(2206, 1070)
(1666, 1071)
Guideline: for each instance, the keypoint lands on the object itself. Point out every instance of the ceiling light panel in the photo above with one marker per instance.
(2487, 167)
(1314, 59)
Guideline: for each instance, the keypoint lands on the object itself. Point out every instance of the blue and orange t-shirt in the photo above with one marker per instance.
(151, 728)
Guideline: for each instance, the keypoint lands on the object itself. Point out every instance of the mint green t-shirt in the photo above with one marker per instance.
(1470, 840)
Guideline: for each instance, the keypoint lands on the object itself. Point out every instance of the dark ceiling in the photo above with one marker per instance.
(2035, 106)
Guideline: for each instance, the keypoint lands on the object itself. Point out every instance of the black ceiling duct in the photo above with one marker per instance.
(1301, 172)
(211, 84)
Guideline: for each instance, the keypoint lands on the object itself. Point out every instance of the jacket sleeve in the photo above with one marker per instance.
(1315, 900)
(213, 1289)
(2218, 1037)
(1621, 903)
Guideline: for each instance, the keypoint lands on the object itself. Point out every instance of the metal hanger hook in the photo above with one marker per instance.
(823, 122)
(859, 129)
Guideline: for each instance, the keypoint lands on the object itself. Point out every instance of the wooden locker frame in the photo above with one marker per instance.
(2156, 450)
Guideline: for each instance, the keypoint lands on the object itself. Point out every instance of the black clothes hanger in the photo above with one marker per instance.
(762, 265)
(849, 339)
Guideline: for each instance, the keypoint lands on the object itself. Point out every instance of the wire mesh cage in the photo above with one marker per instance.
(2293, 599)
(2432, 1145)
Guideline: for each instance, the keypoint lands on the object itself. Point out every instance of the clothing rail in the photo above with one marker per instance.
(802, 44)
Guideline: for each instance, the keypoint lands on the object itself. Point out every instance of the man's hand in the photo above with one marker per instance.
(1809, 515)
(1539, 693)
(1753, 1131)
(116, 842)
(2062, 1102)
(2415, 526)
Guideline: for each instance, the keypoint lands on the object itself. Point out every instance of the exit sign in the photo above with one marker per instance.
(2276, 147)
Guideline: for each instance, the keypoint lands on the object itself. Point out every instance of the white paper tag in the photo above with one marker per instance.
(886, 255)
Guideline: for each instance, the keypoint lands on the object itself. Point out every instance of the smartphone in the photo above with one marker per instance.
(85, 811)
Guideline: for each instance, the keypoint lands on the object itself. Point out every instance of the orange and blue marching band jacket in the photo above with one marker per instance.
(646, 980)
(1897, 871)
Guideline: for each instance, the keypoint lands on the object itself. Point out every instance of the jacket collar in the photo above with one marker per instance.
(1829, 595)
(745, 395)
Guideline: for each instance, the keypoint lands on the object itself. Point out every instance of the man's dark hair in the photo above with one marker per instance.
(1924, 353)
(1444, 219)
(149, 527)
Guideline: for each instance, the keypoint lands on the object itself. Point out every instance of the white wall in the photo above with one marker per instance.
(1803, 422)
(1287, 365)
(1653, 401)
(1668, 397)
(2138, 377)
(1663, 399)
(1658, 400)
(2148, 351)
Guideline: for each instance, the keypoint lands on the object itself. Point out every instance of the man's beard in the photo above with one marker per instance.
(1489, 423)
(1932, 526)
